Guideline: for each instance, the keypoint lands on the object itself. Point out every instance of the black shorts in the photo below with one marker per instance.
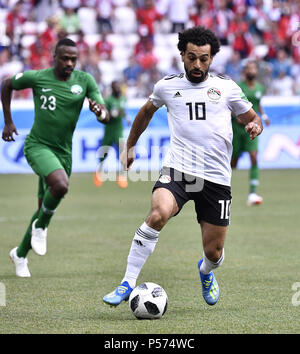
(212, 200)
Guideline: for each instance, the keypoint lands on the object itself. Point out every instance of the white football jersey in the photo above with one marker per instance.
(199, 117)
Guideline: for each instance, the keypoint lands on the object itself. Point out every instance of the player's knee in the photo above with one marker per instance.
(60, 189)
(158, 218)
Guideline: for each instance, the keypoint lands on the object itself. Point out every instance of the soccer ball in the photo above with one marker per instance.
(148, 301)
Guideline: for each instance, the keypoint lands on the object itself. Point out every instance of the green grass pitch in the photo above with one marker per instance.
(88, 244)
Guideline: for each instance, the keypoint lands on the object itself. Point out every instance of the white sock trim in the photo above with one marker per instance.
(147, 232)
(254, 182)
(207, 265)
(48, 211)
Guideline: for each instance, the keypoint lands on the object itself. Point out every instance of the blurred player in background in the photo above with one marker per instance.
(58, 94)
(254, 91)
(197, 165)
(113, 135)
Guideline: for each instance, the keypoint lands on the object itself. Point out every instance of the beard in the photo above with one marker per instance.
(250, 77)
(196, 79)
(116, 93)
(66, 72)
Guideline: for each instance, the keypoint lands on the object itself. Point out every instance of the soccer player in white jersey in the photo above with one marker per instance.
(197, 165)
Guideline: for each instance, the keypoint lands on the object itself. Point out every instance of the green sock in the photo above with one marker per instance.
(254, 178)
(47, 210)
(25, 245)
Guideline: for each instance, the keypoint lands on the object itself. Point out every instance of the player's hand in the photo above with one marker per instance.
(127, 158)
(8, 131)
(95, 107)
(253, 129)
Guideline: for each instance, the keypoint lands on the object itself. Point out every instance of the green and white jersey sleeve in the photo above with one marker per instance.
(24, 80)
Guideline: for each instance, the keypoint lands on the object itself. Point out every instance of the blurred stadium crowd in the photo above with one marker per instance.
(136, 41)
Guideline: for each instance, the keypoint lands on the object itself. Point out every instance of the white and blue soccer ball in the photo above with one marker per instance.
(148, 301)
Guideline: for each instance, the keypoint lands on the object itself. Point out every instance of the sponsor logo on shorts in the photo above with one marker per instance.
(76, 89)
(164, 179)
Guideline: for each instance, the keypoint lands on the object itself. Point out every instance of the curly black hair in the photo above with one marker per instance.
(198, 36)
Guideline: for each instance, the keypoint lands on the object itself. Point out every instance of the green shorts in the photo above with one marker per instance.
(110, 139)
(43, 160)
(241, 140)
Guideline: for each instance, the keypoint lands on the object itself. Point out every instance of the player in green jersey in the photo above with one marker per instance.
(113, 135)
(58, 94)
(241, 141)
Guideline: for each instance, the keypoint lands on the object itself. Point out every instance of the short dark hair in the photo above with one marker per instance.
(65, 41)
(199, 36)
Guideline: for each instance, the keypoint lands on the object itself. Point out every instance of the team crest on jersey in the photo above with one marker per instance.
(76, 89)
(258, 94)
(214, 93)
(164, 179)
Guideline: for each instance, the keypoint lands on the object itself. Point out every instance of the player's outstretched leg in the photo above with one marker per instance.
(20, 264)
(143, 244)
(210, 287)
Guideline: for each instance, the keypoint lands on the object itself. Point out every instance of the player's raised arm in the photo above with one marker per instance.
(253, 124)
(139, 125)
(6, 95)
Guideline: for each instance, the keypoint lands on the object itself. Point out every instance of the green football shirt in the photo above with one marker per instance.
(57, 104)
(254, 94)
